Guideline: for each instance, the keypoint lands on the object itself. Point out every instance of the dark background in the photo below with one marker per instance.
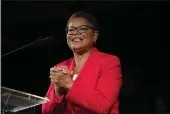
(134, 31)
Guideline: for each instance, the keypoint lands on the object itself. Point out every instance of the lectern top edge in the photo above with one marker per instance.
(29, 94)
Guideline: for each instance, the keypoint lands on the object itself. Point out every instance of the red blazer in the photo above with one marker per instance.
(95, 91)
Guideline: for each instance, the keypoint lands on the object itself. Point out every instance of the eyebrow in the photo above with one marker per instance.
(79, 25)
(72, 26)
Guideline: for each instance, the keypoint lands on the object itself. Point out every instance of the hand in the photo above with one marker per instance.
(59, 90)
(61, 77)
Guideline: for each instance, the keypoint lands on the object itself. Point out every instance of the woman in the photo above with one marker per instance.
(88, 83)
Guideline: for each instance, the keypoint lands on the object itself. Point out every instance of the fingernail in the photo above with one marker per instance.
(64, 71)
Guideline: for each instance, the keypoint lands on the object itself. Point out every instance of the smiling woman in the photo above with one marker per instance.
(82, 32)
(89, 82)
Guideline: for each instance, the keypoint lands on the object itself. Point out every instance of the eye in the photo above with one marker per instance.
(82, 28)
(70, 29)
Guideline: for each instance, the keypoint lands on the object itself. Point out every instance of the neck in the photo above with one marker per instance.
(80, 59)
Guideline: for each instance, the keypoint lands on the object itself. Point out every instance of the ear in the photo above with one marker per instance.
(96, 35)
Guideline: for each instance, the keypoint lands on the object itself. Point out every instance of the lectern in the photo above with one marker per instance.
(13, 100)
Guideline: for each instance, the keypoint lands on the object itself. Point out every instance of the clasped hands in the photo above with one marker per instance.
(61, 77)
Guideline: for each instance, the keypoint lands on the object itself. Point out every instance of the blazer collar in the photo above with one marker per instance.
(92, 54)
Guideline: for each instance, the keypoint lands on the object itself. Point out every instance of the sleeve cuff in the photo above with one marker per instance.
(56, 99)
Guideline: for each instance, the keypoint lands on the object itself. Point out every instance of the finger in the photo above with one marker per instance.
(65, 69)
(56, 76)
(56, 73)
(52, 76)
(54, 81)
(52, 73)
(52, 69)
(58, 68)
(72, 72)
(55, 69)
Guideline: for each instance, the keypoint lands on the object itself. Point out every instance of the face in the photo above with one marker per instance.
(80, 35)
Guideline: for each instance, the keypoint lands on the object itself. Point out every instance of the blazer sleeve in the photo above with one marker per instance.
(54, 106)
(99, 99)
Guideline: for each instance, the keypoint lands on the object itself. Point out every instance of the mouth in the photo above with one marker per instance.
(77, 39)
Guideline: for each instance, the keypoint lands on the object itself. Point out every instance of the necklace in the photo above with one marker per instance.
(76, 70)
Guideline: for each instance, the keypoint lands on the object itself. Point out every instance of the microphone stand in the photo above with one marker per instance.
(8, 53)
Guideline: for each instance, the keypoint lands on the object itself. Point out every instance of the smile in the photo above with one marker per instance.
(77, 39)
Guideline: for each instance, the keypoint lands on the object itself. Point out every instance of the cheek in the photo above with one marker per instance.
(68, 37)
(88, 37)
(85, 36)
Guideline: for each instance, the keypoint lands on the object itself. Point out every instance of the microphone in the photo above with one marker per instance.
(27, 45)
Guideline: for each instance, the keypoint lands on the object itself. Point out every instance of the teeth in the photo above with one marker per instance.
(76, 39)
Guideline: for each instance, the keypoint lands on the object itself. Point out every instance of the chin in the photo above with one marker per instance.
(76, 48)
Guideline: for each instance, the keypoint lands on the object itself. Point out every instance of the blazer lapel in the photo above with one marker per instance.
(90, 69)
